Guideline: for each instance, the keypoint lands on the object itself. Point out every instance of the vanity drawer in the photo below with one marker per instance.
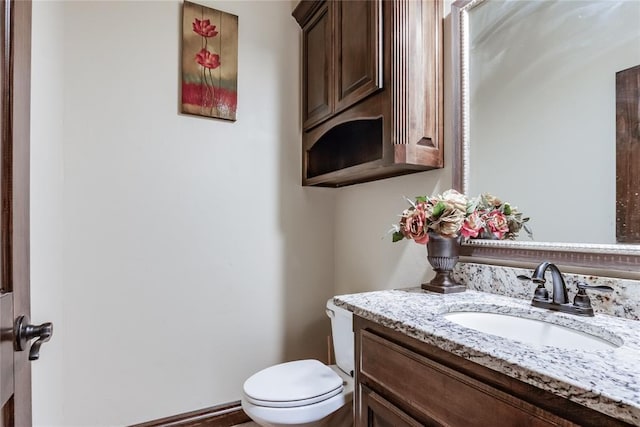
(440, 395)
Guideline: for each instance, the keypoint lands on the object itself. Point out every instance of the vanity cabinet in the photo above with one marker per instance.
(401, 381)
(371, 89)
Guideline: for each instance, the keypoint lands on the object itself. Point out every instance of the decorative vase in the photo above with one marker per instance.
(442, 254)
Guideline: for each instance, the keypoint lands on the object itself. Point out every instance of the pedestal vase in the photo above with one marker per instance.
(442, 254)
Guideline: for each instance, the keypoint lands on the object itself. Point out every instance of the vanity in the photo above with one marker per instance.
(415, 366)
(416, 363)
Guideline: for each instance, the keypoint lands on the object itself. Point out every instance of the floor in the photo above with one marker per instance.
(249, 424)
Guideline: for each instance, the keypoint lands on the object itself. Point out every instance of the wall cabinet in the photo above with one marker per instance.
(371, 89)
(404, 382)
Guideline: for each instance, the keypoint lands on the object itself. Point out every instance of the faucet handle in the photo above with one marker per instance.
(582, 286)
(538, 280)
(582, 299)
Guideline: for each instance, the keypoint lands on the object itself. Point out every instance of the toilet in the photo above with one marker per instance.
(307, 393)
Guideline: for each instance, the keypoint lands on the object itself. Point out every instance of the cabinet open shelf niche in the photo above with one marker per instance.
(345, 145)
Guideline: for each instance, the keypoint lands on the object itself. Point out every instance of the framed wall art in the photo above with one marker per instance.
(209, 62)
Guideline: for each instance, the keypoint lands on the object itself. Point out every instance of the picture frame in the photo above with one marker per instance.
(209, 54)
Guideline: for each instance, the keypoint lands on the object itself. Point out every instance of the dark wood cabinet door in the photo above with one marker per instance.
(377, 412)
(627, 155)
(358, 50)
(317, 68)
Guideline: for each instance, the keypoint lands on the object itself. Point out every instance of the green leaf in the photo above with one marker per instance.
(397, 236)
(507, 209)
(421, 199)
(438, 209)
(472, 206)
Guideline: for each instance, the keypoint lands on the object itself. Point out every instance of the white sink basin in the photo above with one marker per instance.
(534, 332)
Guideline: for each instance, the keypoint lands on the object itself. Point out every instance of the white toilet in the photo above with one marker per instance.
(307, 393)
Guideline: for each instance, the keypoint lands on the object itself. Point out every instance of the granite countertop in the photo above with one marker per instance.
(605, 380)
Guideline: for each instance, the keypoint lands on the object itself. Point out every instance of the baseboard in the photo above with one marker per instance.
(225, 415)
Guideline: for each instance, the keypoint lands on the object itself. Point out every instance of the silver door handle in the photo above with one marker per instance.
(25, 332)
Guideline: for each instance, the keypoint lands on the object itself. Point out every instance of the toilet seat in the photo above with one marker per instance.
(293, 384)
(302, 416)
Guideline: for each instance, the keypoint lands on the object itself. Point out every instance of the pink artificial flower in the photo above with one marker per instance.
(472, 225)
(497, 223)
(204, 28)
(413, 224)
(208, 59)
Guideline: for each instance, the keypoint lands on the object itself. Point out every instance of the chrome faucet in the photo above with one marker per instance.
(559, 300)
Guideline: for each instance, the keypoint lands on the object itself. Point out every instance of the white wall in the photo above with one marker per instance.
(189, 255)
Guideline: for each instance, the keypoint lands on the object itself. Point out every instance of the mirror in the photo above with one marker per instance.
(536, 121)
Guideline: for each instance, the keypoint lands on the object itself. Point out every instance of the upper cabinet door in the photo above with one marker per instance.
(317, 68)
(358, 50)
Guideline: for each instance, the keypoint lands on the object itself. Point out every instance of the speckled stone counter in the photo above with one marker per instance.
(605, 380)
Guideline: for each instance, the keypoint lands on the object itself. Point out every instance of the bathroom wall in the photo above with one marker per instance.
(175, 254)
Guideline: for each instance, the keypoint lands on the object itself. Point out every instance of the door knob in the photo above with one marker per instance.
(25, 332)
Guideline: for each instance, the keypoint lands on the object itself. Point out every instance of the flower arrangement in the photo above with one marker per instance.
(452, 214)
(443, 214)
(490, 217)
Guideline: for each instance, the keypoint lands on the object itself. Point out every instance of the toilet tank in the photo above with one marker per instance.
(342, 332)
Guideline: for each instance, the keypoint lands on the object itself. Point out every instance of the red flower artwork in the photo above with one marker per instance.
(204, 28)
(209, 62)
(208, 59)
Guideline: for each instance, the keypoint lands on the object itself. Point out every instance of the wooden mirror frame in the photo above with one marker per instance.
(607, 259)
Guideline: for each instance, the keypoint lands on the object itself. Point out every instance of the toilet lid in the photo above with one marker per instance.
(292, 384)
